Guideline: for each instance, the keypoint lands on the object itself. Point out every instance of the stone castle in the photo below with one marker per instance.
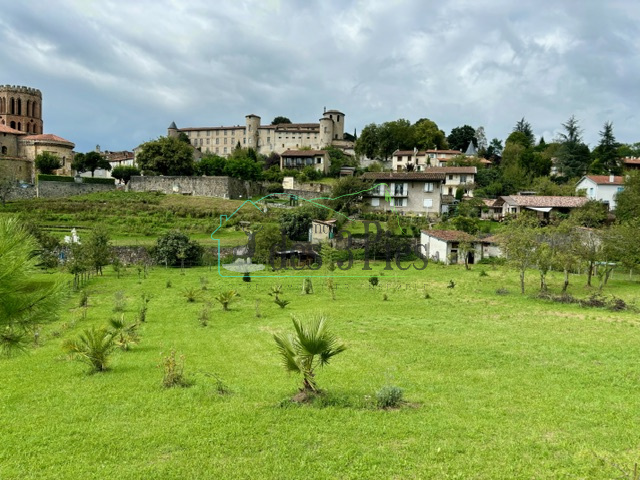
(267, 139)
(22, 138)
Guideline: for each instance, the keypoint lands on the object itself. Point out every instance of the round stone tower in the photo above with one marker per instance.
(21, 108)
(252, 131)
(337, 119)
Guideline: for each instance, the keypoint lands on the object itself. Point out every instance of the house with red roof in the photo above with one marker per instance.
(603, 188)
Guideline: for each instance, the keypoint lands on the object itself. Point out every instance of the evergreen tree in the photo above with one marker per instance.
(573, 154)
(605, 156)
(523, 126)
(25, 300)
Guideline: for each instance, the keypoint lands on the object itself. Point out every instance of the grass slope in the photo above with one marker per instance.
(499, 386)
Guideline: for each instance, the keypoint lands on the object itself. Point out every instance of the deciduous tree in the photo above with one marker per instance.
(166, 156)
(47, 162)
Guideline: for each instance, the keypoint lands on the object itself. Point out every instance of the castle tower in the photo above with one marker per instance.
(21, 108)
(337, 119)
(252, 131)
(172, 131)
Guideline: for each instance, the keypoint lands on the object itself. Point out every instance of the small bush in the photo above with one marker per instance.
(119, 301)
(124, 335)
(84, 299)
(191, 294)
(281, 303)
(174, 371)
(385, 297)
(203, 316)
(168, 284)
(246, 277)
(483, 273)
(93, 347)
(225, 298)
(389, 397)
(142, 312)
(55, 178)
(307, 286)
(373, 281)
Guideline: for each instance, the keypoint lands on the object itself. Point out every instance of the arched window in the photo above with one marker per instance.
(13, 106)
(19, 126)
(13, 125)
(4, 150)
(28, 110)
(33, 107)
(19, 106)
(2, 100)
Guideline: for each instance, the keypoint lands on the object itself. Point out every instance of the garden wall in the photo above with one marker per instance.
(68, 189)
(222, 187)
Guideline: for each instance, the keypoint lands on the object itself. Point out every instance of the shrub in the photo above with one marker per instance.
(203, 316)
(191, 294)
(225, 298)
(176, 249)
(84, 299)
(174, 371)
(168, 284)
(124, 335)
(55, 178)
(483, 273)
(373, 281)
(385, 297)
(281, 303)
(389, 397)
(307, 286)
(96, 180)
(142, 312)
(119, 301)
(93, 347)
(246, 277)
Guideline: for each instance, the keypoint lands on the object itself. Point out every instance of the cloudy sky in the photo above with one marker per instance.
(117, 73)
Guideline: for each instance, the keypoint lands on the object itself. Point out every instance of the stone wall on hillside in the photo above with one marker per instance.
(222, 187)
(68, 189)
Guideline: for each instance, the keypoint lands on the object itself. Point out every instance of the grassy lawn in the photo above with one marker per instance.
(498, 386)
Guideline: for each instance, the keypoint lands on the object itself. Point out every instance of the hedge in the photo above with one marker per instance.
(106, 181)
(54, 178)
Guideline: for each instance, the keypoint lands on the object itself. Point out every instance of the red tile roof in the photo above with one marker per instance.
(545, 201)
(422, 153)
(605, 180)
(631, 161)
(47, 137)
(467, 170)
(450, 235)
(424, 176)
(13, 131)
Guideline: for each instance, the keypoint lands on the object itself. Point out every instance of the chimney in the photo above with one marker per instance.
(611, 178)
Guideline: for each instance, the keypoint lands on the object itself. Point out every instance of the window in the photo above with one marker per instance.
(217, 132)
(244, 140)
(208, 141)
(201, 142)
(4, 150)
(225, 132)
(319, 160)
(428, 187)
(208, 133)
(217, 141)
(450, 177)
(375, 202)
(427, 203)
(225, 149)
(398, 202)
(225, 141)
(268, 139)
(463, 179)
(217, 149)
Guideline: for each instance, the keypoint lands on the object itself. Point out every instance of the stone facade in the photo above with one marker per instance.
(222, 187)
(21, 137)
(21, 108)
(267, 139)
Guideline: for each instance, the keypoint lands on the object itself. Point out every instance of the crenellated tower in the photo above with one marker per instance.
(21, 108)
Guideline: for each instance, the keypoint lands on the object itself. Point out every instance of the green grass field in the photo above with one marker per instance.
(497, 386)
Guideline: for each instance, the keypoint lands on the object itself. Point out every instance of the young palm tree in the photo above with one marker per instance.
(93, 347)
(309, 347)
(225, 298)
